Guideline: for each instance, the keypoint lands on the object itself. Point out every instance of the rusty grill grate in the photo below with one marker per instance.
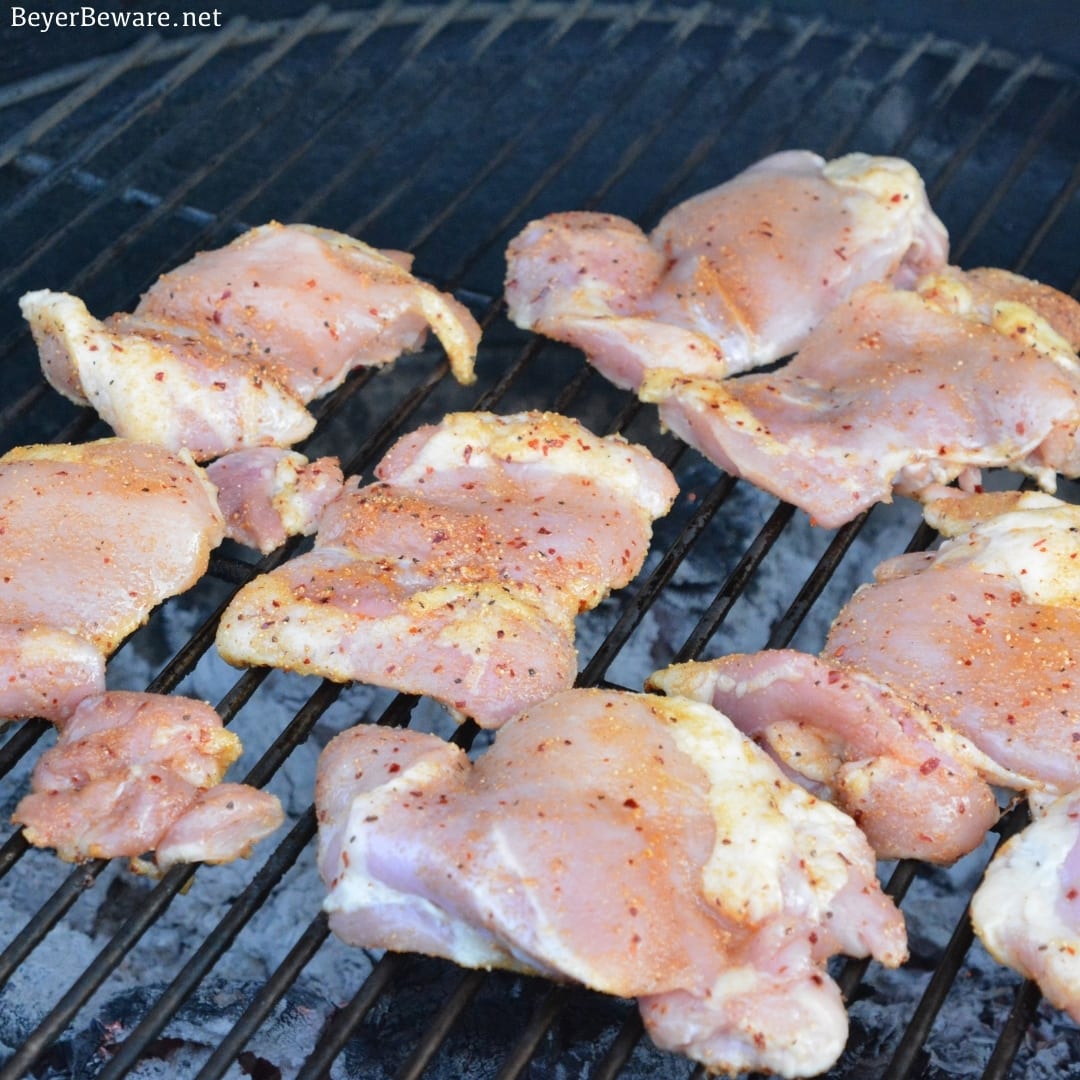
(442, 129)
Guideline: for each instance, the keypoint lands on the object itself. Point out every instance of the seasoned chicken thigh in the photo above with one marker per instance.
(92, 538)
(954, 669)
(896, 391)
(731, 279)
(459, 572)
(636, 844)
(128, 769)
(226, 351)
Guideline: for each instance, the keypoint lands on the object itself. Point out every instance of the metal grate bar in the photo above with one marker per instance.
(101, 77)
(596, 121)
(738, 106)
(271, 992)
(123, 119)
(214, 945)
(333, 1039)
(943, 93)
(160, 146)
(997, 105)
(552, 1003)
(1053, 213)
(909, 1048)
(1020, 1016)
(633, 611)
(622, 1047)
(900, 68)
(735, 584)
(486, 38)
(1053, 115)
(48, 915)
(441, 1026)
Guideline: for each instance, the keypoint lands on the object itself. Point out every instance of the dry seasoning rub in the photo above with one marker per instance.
(639, 845)
(952, 671)
(459, 572)
(226, 351)
(731, 279)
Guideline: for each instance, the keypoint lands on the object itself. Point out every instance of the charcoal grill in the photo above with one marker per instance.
(442, 129)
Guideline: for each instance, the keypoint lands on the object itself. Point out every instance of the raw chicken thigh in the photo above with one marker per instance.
(731, 279)
(226, 351)
(459, 572)
(92, 538)
(1027, 909)
(973, 650)
(897, 391)
(636, 844)
(138, 772)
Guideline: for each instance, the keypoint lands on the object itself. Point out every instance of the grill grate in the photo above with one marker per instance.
(442, 129)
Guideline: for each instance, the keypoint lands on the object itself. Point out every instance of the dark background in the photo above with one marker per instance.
(1048, 26)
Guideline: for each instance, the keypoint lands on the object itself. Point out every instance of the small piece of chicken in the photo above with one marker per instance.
(459, 573)
(127, 770)
(896, 392)
(94, 536)
(636, 844)
(953, 669)
(267, 494)
(731, 279)
(224, 352)
(1026, 911)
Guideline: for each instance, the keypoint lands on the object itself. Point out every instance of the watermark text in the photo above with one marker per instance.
(87, 16)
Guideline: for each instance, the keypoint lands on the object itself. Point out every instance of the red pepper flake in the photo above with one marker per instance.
(630, 804)
(393, 767)
(159, 376)
(929, 766)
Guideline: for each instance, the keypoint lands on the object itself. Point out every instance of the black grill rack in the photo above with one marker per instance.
(442, 129)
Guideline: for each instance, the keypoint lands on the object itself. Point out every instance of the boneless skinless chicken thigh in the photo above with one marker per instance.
(226, 351)
(898, 391)
(952, 670)
(633, 843)
(459, 572)
(731, 279)
(92, 538)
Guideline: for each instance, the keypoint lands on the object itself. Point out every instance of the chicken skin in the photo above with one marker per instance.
(92, 538)
(459, 572)
(633, 843)
(225, 352)
(731, 279)
(975, 649)
(133, 773)
(897, 392)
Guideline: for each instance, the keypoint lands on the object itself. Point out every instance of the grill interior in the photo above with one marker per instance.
(442, 129)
